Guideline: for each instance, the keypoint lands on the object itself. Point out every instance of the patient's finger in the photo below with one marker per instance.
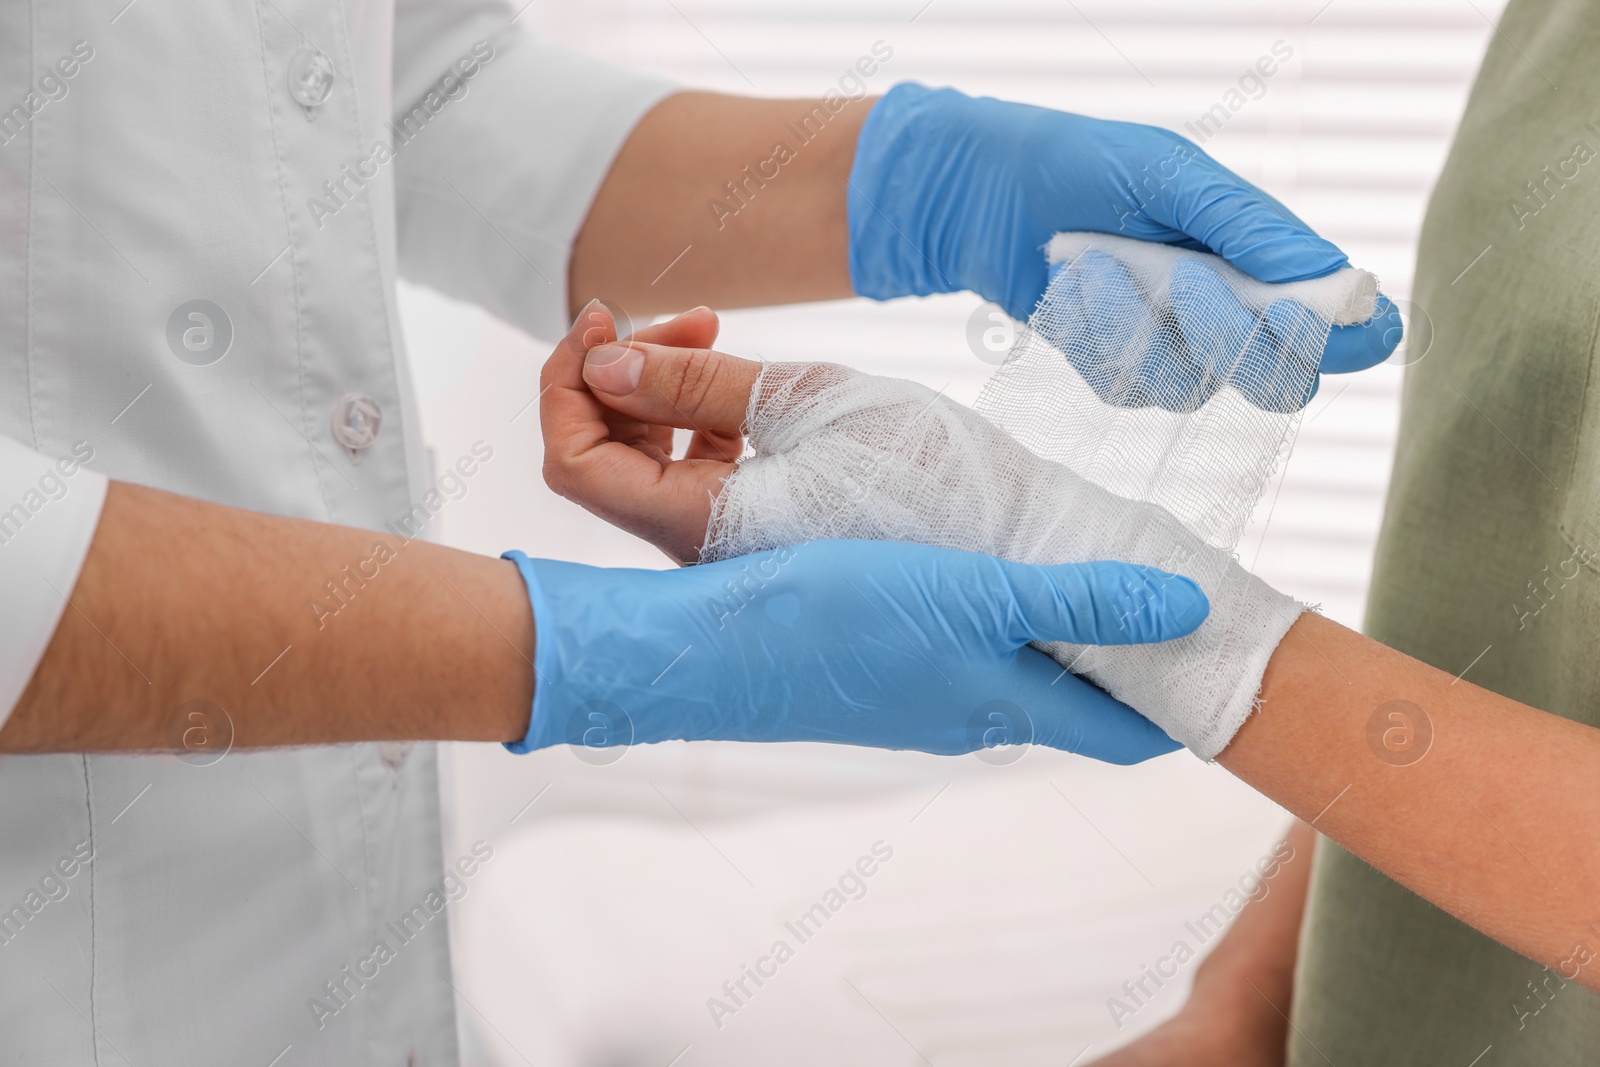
(691, 387)
(613, 464)
(595, 325)
(717, 446)
(571, 418)
(695, 328)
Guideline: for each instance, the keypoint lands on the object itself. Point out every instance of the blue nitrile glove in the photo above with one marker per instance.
(880, 643)
(951, 192)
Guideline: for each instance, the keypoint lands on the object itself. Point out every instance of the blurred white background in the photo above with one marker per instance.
(1019, 896)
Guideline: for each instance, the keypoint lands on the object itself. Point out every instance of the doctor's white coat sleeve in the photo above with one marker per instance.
(48, 512)
(491, 197)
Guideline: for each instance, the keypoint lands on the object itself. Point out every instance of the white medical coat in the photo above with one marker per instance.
(199, 240)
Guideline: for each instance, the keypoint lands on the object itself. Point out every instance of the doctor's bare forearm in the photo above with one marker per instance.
(436, 644)
(1484, 806)
(722, 200)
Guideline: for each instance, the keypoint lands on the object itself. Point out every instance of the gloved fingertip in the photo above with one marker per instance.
(1150, 744)
(1365, 344)
(1392, 324)
(1136, 604)
(1183, 604)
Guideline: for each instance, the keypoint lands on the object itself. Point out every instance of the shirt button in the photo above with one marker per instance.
(310, 77)
(355, 423)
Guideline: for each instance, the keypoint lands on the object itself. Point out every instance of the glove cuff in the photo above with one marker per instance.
(546, 657)
(889, 194)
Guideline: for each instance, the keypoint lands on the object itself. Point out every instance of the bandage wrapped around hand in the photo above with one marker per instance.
(836, 453)
(1137, 417)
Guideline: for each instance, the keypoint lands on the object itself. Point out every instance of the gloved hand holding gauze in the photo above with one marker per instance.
(1137, 418)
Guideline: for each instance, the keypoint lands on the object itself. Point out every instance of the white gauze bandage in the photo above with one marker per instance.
(1138, 417)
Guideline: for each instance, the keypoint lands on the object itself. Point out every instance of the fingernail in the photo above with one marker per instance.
(583, 311)
(594, 324)
(614, 368)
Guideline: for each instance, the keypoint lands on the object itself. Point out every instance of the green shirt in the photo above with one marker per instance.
(1490, 541)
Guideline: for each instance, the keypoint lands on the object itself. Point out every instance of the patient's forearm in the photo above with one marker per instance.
(1498, 822)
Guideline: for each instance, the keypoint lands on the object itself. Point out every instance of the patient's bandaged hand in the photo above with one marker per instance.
(1138, 418)
(842, 454)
